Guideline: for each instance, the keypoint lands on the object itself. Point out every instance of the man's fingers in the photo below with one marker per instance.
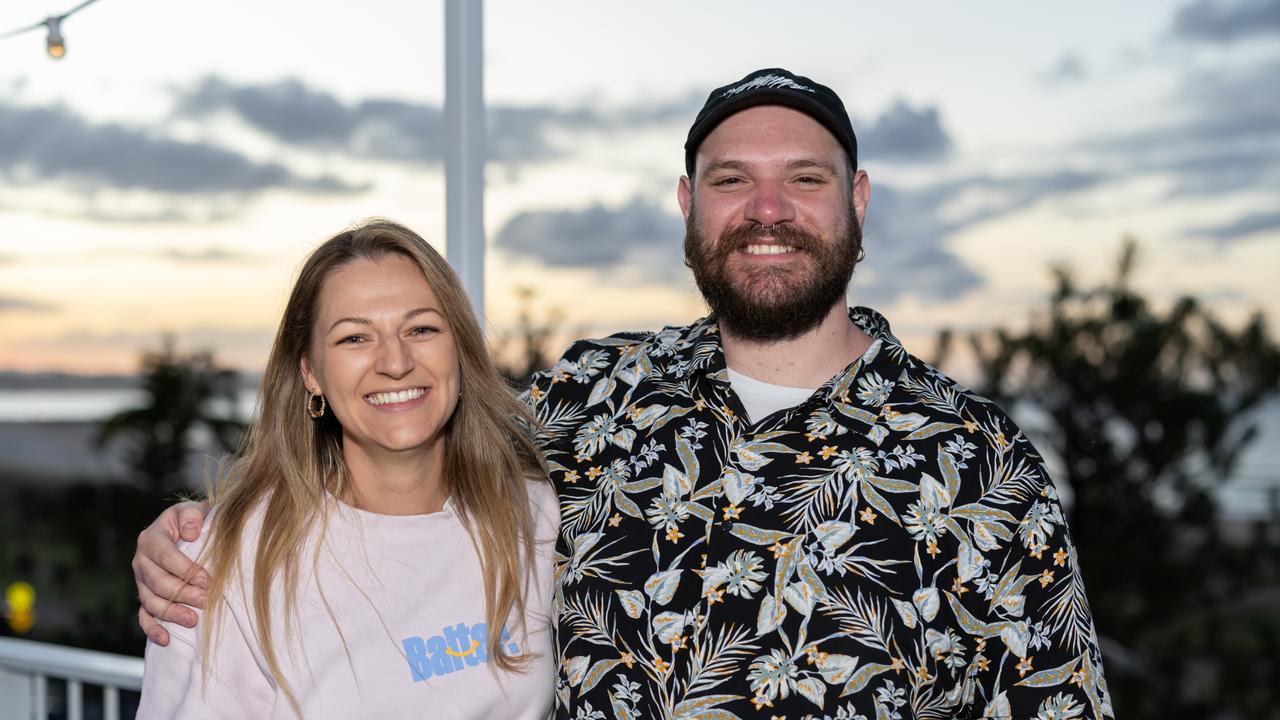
(159, 607)
(160, 553)
(162, 583)
(154, 630)
(190, 519)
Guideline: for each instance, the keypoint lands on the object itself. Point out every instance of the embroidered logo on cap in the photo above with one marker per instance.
(770, 81)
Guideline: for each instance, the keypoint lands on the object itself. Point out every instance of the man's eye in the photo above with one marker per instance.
(727, 181)
(811, 180)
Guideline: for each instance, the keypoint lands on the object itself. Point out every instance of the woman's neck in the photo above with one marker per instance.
(395, 483)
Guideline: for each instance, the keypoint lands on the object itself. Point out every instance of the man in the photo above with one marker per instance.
(778, 511)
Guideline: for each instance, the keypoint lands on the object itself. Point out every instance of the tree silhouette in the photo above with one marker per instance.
(183, 392)
(1147, 411)
(524, 350)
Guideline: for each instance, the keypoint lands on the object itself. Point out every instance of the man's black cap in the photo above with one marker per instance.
(773, 86)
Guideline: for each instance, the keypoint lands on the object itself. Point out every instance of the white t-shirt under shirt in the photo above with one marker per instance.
(409, 640)
(762, 399)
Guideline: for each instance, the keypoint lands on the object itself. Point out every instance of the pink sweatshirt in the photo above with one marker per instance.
(410, 636)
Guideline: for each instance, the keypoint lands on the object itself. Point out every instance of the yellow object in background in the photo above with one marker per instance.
(21, 598)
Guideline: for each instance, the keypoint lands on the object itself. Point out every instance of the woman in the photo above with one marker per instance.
(383, 547)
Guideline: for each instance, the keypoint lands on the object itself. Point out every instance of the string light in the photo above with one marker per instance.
(55, 44)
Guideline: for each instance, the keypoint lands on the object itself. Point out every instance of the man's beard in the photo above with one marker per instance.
(768, 303)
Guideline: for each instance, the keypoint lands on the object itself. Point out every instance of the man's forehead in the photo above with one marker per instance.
(775, 131)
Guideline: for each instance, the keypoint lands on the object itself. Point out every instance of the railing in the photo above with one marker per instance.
(26, 669)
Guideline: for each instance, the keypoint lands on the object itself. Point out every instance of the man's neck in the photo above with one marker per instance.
(804, 361)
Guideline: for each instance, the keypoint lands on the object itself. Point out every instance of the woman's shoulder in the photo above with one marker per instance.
(249, 529)
(545, 506)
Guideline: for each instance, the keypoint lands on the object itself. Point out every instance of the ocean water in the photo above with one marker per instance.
(85, 405)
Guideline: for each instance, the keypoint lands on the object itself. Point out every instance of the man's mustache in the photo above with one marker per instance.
(751, 233)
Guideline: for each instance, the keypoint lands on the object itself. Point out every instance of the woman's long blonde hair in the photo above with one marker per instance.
(291, 463)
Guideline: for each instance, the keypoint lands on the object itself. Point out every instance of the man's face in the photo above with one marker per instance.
(772, 222)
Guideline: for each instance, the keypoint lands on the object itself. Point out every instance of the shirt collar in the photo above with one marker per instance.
(698, 349)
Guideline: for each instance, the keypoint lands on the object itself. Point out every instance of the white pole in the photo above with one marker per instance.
(464, 129)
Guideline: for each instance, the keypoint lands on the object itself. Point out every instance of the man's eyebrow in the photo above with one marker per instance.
(810, 164)
(737, 165)
(805, 164)
(366, 321)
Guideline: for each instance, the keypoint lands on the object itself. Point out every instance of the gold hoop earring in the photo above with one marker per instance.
(315, 413)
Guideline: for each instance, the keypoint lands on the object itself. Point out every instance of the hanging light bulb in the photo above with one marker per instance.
(56, 45)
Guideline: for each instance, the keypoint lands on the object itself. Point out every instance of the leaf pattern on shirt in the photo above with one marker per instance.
(891, 548)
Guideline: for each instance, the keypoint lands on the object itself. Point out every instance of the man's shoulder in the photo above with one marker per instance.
(946, 395)
(593, 356)
(928, 403)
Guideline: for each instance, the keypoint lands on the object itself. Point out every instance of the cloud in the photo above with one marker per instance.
(600, 237)
(9, 303)
(905, 239)
(1003, 195)
(1220, 135)
(905, 133)
(1069, 68)
(55, 144)
(296, 114)
(287, 109)
(1224, 21)
(396, 130)
(1242, 228)
(207, 255)
(206, 212)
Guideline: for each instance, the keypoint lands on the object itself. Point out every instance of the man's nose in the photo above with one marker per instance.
(770, 205)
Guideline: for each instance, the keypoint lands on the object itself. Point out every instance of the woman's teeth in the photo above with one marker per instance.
(394, 397)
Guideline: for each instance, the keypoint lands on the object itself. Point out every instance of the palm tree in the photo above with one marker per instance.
(183, 392)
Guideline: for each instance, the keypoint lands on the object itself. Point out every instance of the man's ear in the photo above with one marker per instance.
(860, 194)
(684, 195)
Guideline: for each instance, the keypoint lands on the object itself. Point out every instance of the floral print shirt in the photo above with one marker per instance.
(891, 548)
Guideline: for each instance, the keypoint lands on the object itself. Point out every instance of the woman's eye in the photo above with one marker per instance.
(424, 330)
(351, 340)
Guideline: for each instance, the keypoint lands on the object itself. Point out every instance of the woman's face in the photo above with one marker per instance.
(383, 356)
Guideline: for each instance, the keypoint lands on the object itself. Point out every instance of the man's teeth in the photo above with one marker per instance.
(770, 249)
(394, 397)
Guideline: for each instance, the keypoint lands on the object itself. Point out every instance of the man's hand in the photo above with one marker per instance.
(159, 567)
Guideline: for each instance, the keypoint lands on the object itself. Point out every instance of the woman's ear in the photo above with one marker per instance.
(309, 378)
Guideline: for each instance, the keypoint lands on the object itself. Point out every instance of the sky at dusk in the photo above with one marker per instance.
(171, 172)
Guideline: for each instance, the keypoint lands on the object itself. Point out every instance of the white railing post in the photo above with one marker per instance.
(110, 703)
(75, 697)
(41, 700)
(464, 153)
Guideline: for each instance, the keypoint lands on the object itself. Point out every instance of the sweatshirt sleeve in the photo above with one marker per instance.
(174, 684)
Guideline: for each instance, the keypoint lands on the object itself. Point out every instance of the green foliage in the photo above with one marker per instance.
(1148, 410)
(182, 392)
(73, 544)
